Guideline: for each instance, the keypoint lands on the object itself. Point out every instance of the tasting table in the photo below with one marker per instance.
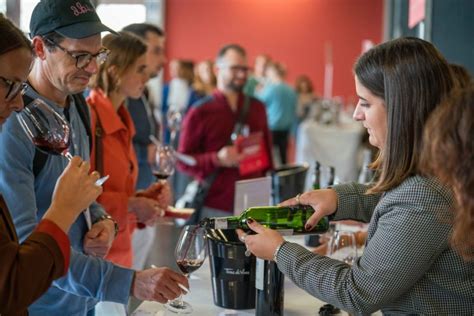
(297, 301)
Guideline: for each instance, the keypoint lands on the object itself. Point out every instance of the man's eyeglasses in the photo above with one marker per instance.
(236, 68)
(83, 59)
(13, 88)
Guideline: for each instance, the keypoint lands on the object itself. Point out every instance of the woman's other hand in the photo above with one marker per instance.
(264, 243)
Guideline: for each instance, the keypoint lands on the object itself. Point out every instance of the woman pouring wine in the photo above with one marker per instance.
(408, 266)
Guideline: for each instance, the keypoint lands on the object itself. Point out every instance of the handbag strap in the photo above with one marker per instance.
(99, 147)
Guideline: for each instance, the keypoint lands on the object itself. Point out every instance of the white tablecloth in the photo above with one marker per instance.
(331, 145)
(297, 302)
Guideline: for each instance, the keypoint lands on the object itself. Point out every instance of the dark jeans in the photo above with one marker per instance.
(280, 140)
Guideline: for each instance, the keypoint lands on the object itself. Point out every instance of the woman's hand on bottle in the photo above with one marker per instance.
(324, 203)
(75, 190)
(264, 243)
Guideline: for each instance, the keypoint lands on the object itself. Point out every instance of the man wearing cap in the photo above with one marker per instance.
(67, 43)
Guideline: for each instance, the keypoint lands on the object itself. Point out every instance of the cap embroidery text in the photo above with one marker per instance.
(79, 9)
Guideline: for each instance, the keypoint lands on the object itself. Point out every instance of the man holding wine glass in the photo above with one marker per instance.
(28, 268)
(67, 43)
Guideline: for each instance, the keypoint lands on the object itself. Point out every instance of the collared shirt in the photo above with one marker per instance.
(408, 266)
(206, 129)
(120, 163)
(89, 279)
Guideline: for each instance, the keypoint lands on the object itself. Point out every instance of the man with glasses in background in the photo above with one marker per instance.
(67, 43)
(207, 130)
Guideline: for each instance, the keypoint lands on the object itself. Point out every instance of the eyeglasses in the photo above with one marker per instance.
(83, 59)
(237, 68)
(13, 88)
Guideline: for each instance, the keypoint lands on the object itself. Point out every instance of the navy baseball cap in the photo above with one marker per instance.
(71, 18)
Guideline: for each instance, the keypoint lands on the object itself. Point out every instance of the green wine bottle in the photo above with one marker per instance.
(289, 220)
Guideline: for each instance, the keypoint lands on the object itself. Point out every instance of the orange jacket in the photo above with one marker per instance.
(120, 162)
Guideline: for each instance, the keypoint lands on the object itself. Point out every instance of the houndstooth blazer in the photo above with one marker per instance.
(407, 266)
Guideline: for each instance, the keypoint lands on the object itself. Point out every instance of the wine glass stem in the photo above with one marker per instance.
(178, 302)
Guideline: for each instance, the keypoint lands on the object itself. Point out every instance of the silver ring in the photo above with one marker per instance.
(298, 198)
(242, 238)
(247, 251)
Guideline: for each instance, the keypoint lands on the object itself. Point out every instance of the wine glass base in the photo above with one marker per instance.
(184, 309)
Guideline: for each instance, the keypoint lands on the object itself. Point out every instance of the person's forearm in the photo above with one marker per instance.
(353, 203)
(60, 217)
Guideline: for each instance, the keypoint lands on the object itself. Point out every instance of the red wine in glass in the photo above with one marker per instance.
(164, 163)
(161, 175)
(47, 130)
(188, 266)
(190, 253)
(51, 146)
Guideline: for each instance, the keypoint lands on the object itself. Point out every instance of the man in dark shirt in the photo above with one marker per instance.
(208, 126)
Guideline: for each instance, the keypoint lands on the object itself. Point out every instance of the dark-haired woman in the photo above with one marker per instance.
(27, 269)
(408, 265)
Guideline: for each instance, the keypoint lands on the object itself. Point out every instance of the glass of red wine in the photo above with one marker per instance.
(164, 163)
(190, 253)
(47, 130)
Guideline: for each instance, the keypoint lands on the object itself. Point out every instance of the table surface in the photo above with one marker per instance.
(297, 301)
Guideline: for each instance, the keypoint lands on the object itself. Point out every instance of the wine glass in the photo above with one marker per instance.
(174, 118)
(47, 130)
(164, 163)
(342, 246)
(190, 253)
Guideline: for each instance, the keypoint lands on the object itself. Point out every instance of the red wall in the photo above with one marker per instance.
(293, 32)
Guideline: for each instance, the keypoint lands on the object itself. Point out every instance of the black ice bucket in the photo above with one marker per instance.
(233, 274)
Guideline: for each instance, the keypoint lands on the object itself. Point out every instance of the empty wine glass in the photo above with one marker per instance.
(173, 119)
(342, 246)
(190, 253)
(164, 163)
(47, 130)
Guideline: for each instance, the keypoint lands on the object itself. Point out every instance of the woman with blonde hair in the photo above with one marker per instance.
(408, 265)
(123, 75)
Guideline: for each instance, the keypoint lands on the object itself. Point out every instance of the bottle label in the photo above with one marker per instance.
(286, 232)
(220, 223)
(259, 273)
